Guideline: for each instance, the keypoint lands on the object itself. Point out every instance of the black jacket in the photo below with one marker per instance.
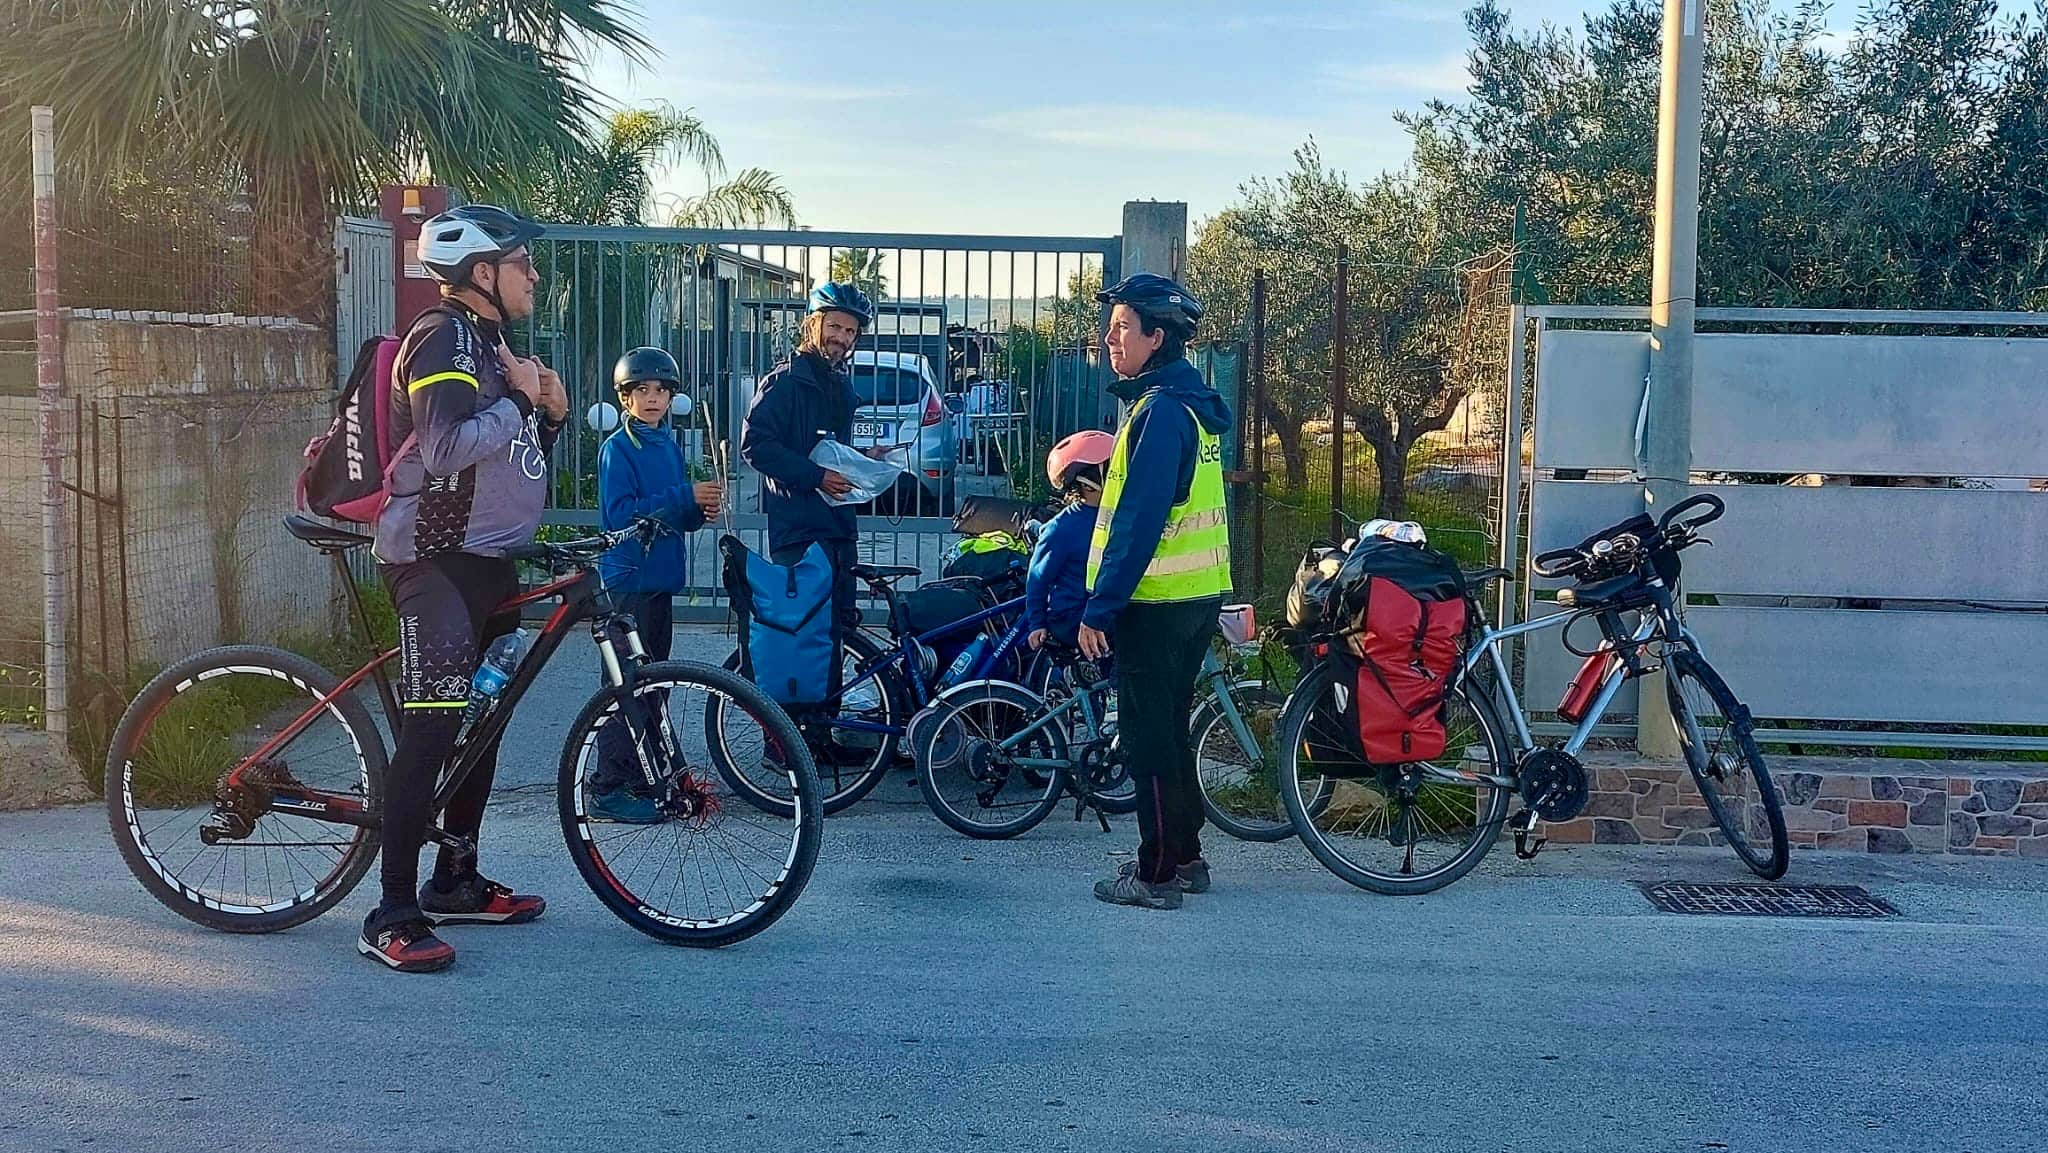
(794, 408)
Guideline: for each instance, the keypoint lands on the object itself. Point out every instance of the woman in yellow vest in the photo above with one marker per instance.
(1158, 568)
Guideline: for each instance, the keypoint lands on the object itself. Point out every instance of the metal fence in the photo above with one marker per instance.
(981, 357)
(1387, 398)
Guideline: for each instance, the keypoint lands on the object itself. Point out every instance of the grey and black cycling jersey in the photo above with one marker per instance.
(475, 478)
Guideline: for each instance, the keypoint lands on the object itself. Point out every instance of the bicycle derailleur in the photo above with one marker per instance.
(239, 804)
(1554, 788)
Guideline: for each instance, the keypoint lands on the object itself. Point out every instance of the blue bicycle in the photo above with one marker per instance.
(944, 633)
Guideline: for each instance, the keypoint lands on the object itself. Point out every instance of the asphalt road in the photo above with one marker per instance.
(928, 992)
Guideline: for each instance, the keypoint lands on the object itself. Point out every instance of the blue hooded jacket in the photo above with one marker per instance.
(640, 473)
(1160, 471)
(1056, 587)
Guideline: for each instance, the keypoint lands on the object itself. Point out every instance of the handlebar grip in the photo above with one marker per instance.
(1707, 500)
(534, 551)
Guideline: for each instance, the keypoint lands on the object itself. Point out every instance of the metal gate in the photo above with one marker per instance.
(982, 355)
(364, 288)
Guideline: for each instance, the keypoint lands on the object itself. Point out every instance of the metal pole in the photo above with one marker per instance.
(1666, 463)
(1258, 414)
(1337, 395)
(1510, 526)
(49, 417)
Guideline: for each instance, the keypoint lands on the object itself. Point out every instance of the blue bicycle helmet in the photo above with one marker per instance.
(1157, 299)
(835, 296)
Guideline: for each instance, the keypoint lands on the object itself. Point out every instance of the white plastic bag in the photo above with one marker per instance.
(870, 477)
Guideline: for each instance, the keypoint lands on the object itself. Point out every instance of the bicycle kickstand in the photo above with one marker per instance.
(1527, 843)
(1081, 806)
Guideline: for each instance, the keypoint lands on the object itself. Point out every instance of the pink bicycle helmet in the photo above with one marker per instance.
(1092, 447)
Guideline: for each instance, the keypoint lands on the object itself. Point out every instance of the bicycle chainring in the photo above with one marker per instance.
(1554, 784)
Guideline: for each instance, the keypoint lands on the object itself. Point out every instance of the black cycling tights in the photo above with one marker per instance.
(423, 745)
(445, 622)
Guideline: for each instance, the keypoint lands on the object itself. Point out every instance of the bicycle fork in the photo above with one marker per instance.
(620, 675)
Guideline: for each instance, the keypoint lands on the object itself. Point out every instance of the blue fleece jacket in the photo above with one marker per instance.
(1160, 470)
(1056, 586)
(640, 472)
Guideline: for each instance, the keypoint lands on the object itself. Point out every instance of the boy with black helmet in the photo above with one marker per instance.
(641, 473)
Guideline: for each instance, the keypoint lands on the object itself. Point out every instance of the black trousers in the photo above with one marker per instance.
(445, 621)
(843, 555)
(1159, 647)
(654, 614)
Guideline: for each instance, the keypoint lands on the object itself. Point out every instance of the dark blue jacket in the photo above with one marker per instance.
(640, 472)
(1056, 587)
(794, 408)
(1158, 474)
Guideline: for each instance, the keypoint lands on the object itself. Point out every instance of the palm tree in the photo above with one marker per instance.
(305, 105)
(613, 183)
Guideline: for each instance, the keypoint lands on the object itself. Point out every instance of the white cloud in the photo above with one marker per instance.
(1446, 73)
(1153, 129)
(1365, 18)
(803, 92)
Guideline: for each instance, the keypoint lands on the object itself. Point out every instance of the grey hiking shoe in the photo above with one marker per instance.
(1193, 876)
(1127, 889)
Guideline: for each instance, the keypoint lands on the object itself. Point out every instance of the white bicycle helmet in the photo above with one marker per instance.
(457, 240)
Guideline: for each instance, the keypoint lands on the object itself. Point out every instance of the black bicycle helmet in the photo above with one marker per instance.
(838, 296)
(646, 363)
(457, 240)
(1159, 300)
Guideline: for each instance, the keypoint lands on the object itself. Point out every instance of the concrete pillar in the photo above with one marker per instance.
(405, 207)
(1155, 238)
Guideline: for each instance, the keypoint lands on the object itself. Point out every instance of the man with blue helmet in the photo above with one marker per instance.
(808, 398)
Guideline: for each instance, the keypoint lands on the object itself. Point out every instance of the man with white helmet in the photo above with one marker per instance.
(476, 424)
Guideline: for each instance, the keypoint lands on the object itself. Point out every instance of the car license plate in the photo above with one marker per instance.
(869, 430)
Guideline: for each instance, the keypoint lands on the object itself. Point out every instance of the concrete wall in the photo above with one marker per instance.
(213, 424)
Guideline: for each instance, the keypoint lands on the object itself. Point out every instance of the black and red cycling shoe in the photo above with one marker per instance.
(473, 900)
(408, 946)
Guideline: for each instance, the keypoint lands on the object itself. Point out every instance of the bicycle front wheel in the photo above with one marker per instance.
(218, 853)
(1400, 830)
(1240, 779)
(714, 869)
(1714, 734)
(970, 780)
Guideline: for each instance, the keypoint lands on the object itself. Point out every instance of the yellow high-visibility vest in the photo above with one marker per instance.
(1193, 557)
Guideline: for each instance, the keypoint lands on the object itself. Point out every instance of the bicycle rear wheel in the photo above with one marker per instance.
(715, 869)
(1392, 829)
(1714, 734)
(220, 855)
(1240, 783)
(854, 761)
(972, 784)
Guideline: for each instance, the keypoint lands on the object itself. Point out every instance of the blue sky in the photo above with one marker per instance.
(1044, 117)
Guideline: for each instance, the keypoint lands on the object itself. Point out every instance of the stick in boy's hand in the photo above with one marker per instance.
(710, 495)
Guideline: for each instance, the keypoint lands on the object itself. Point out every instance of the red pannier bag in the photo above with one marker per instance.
(1409, 621)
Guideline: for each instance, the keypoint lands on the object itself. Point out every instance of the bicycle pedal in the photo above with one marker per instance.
(1528, 845)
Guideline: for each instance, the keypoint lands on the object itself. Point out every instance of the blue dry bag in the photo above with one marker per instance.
(785, 616)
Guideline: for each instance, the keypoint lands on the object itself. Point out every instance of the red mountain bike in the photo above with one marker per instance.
(243, 783)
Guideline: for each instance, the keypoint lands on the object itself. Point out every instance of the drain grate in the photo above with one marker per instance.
(1767, 900)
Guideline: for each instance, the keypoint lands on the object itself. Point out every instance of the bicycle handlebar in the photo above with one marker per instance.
(586, 550)
(1622, 549)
